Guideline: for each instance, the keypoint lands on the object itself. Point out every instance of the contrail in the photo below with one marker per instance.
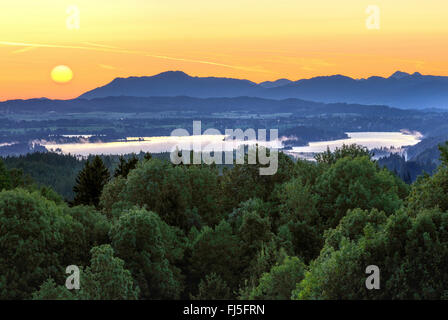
(103, 48)
(26, 49)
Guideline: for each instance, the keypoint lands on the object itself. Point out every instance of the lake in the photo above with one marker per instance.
(393, 141)
(371, 140)
(150, 144)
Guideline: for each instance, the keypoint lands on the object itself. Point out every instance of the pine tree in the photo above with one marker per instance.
(147, 156)
(4, 177)
(124, 167)
(443, 149)
(90, 182)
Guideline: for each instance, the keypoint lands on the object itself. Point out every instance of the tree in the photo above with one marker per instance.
(90, 182)
(147, 156)
(352, 151)
(355, 183)
(216, 250)
(31, 239)
(430, 191)
(162, 188)
(88, 228)
(411, 253)
(150, 249)
(104, 279)
(212, 288)
(49, 290)
(299, 221)
(5, 182)
(125, 166)
(205, 193)
(444, 153)
(253, 232)
(112, 198)
(280, 281)
(243, 181)
(353, 226)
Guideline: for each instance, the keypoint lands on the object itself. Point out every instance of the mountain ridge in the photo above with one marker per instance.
(401, 89)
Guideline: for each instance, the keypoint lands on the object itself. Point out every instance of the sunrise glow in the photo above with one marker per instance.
(256, 40)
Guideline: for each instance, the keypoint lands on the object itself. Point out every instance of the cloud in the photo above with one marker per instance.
(105, 66)
(102, 48)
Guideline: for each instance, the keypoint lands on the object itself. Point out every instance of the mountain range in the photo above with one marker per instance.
(401, 89)
(192, 105)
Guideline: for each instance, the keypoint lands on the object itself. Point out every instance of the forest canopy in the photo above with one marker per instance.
(139, 227)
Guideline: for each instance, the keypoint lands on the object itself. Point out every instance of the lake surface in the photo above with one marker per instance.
(152, 145)
(392, 142)
(371, 140)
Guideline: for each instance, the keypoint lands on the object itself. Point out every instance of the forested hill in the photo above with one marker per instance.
(189, 104)
(59, 171)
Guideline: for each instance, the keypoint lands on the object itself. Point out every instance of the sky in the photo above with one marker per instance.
(258, 40)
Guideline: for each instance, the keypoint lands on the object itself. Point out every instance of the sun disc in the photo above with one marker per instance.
(61, 74)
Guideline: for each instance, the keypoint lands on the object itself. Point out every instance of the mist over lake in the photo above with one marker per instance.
(152, 145)
(371, 140)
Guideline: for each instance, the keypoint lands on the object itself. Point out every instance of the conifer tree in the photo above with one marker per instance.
(147, 156)
(125, 166)
(90, 182)
(4, 177)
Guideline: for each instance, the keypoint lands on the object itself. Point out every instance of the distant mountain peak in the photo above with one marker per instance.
(274, 84)
(399, 75)
(173, 75)
(401, 89)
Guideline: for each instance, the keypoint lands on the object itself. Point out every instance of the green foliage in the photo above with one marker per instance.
(280, 281)
(355, 183)
(354, 225)
(31, 235)
(430, 192)
(159, 231)
(90, 183)
(216, 250)
(147, 156)
(48, 169)
(49, 290)
(89, 228)
(444, 153)
(253, 232)
(162, 188)
(104, 279)
(212, 288)
(244, 182)
(112, 197)
(411, 252)
(149, 248)
(351, 151)
(125, 166)
(300, 223)
(205, 193)
(5, 182)
(183, 196)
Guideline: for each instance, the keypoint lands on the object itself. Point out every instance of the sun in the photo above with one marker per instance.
(61, 74)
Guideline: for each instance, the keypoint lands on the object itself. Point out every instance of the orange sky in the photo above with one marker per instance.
(252, 39)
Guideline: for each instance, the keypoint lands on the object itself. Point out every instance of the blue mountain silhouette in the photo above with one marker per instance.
(401, 89)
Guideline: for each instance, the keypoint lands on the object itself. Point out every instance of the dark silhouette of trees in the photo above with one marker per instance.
(90, 183)
(125, 166)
